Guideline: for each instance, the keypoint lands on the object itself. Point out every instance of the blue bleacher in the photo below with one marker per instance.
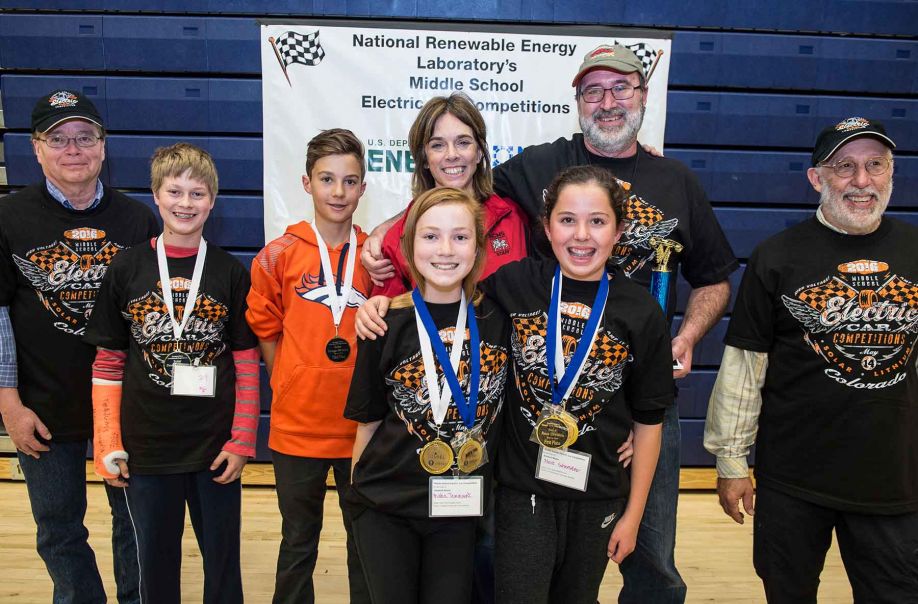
(883, 17)
(59, 42)
(740, 60)
(778, 120)
(230, 45)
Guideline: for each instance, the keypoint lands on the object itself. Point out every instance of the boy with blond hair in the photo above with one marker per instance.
(306, 288)
(175, 385)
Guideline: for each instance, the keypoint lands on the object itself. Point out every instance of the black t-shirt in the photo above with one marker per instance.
(627, 375)
(166, 434)
(389, 385)
(838, 316)
(666, 200)
(52, 261)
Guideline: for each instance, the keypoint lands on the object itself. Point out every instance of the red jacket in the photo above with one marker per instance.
(506, 231)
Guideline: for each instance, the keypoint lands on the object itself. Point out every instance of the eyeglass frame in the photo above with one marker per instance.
(611, 89)
(73, 139)
(834, 166)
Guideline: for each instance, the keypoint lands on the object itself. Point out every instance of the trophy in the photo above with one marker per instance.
(661, 276)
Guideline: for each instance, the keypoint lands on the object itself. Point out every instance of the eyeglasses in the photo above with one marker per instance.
(59, 141)
(846, 168)
(620, 92)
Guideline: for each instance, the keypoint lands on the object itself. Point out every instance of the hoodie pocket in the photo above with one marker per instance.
(311, 402)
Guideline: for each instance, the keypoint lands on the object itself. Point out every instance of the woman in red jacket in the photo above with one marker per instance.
(449, 145)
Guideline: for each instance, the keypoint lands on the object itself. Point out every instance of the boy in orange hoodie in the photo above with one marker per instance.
(306, 288)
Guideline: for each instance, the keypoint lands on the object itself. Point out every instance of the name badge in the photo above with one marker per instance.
(194, 380)
(567, 468)
(451, 497)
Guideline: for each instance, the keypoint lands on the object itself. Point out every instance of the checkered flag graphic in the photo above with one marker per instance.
(298, 48)
(645, 54)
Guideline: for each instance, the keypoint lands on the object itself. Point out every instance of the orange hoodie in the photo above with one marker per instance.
(287, 302)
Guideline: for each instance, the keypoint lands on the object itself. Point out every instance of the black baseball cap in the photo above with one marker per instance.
(61, 106)
(833, 137)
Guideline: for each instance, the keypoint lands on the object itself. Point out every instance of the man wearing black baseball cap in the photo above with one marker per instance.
(57, 238)
(819, 371)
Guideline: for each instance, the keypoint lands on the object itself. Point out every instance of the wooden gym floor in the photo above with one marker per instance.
(713, 554)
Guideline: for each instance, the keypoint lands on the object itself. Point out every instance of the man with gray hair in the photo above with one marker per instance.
(819, 372)
(57, 238)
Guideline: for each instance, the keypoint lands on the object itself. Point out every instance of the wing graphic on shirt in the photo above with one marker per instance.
(911, 327)
(37, 277)
(805, 314)
(641, 234)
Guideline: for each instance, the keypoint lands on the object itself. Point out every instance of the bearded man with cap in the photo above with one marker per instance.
(820, 373)
(665, 201)
(57, 238)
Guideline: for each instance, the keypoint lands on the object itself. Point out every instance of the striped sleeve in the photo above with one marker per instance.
(733, 411)
(245, 418)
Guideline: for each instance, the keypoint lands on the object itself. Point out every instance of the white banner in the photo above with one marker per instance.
(374, 81)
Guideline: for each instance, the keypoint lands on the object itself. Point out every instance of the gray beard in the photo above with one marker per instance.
(833, 209)
(612, 143)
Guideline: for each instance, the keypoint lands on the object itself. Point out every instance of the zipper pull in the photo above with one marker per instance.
(532, 499)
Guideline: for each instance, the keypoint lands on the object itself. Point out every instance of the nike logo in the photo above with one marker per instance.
(607, 520)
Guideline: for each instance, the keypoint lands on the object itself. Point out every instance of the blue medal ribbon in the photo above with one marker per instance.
(466, 406)
(560, 388)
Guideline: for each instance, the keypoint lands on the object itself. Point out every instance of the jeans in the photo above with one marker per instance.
(301, 488)
(157, 503)
(56, 483)
(650, 571)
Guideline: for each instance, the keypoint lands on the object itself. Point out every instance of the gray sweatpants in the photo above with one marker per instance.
(551, 550)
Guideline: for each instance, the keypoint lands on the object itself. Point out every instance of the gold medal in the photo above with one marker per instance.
(470, 455)
(574, 429)
(436, 457)
(556, 430)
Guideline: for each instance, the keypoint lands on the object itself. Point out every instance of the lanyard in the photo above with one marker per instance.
(166, 284)
(335, 302)
(429, 338)
(563, 381)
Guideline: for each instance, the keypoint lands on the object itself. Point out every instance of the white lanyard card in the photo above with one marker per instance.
(455, 496)
(194, 380)
(564, 467)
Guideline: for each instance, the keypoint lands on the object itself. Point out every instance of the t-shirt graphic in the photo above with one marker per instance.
(315, 289)
(644, 221)
(602, 371)
(412, 398)
(66, 274)
(202, 340)
(863, 321)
